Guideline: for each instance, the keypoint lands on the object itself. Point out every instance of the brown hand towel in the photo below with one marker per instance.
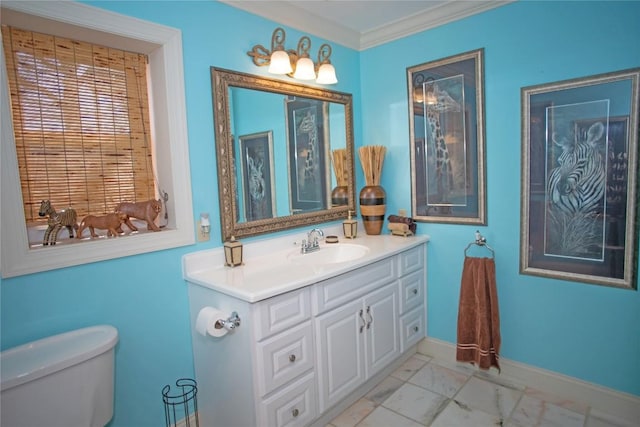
(478, 314)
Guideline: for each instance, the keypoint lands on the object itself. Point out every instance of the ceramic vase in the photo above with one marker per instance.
(372, 208)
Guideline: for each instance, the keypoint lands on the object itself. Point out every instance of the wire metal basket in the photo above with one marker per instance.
(183, 407)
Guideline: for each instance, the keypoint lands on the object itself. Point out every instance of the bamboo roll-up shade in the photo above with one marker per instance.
(81, 121)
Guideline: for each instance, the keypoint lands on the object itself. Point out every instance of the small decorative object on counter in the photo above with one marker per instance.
(350, 227)
(232, 252)
(331, 239)
(372, 195)
(401, 225)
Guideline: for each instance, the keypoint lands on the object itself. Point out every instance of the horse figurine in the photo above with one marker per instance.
(57, 220)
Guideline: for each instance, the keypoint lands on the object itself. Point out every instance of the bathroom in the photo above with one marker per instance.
(579, 330)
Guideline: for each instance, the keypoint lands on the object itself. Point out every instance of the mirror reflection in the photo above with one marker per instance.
(284, 151)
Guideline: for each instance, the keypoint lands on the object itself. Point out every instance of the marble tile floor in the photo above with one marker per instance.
(426, 392)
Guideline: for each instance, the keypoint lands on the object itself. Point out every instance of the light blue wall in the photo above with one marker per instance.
(585, 331)
(144, 296)
(590, 332)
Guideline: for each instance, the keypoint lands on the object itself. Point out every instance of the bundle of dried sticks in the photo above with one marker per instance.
(339, 157)
(371, 158)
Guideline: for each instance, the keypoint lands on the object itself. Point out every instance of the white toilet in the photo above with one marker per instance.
(61, 381)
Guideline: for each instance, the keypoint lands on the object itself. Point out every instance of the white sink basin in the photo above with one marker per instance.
(330, 254)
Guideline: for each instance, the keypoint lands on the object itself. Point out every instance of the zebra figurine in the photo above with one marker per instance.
(57, 220)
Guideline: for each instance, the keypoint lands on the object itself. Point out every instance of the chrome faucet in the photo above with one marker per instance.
(311, 244)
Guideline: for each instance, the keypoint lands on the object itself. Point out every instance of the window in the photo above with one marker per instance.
(81, 123)
(162, 46)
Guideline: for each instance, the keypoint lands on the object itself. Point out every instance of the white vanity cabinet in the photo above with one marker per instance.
(299, 356)
(359, 336)
(357, 339)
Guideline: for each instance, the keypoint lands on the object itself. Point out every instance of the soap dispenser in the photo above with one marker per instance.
(232, 252)
(350, 227)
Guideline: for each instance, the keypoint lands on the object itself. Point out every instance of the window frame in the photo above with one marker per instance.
(163, 45)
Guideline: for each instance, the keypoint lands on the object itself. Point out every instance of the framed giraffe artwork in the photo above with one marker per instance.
(257, 176)
(579, 175)
(447, 143)
(308, 155)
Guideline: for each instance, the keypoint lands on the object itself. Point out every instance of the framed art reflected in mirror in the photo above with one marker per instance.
(307, 129)
(257, 176)
(446, 127)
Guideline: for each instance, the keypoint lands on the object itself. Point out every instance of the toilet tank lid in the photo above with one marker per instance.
(36, 359)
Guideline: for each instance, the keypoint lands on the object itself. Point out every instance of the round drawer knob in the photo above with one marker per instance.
(415, 329)
(292, 358)
(415, 292)
(295, 412)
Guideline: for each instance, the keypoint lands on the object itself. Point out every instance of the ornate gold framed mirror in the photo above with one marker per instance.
(277, 145)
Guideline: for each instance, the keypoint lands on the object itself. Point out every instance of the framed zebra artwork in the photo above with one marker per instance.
(447, 143)
(257, 184)
(579, 176)
(308, 154)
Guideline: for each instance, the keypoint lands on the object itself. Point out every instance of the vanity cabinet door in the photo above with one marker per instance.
(340, 349)
(381, 331)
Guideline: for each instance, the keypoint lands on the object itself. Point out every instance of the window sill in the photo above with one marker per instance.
(36, 232)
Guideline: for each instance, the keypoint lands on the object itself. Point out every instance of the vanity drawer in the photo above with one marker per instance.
(284, 357)
(291, 407)
(412, 328)
(411, 290)
(335, 292)
(279, 313)
(411, 260)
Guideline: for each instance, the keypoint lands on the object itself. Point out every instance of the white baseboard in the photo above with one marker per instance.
(623, 405)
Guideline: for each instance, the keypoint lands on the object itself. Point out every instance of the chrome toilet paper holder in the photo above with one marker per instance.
(230, 323)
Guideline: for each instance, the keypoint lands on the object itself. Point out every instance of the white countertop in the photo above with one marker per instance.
(266, 271)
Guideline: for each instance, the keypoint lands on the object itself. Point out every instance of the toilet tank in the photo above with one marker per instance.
(66, 380)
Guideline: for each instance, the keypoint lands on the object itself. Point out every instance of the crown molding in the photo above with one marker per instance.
(286, 13)
(428, 19)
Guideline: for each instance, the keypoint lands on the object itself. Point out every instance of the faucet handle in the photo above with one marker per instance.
(316, 233)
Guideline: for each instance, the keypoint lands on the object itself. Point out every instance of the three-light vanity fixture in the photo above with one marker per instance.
(295, 63)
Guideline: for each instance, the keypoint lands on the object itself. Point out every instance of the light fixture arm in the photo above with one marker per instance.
(324, 53)
(261, 55)
(304, 44)
(277, 39)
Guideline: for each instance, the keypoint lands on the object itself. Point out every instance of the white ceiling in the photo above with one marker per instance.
(361, 24)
